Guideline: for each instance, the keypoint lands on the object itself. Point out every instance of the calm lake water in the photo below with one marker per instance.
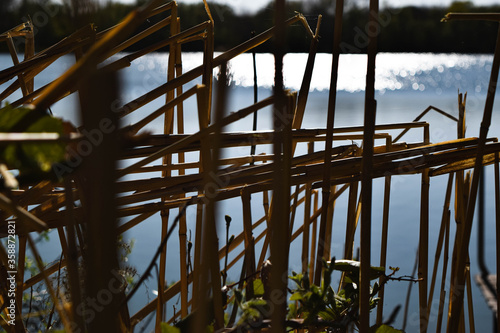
(406, 85)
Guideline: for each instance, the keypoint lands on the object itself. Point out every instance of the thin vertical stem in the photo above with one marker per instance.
(165, 213)
(281, 181)
(366, 178)
(442, 296)
(329, 225)
(383, 245)
(29, 52)
(497, 229)
(255, 96)
(469, 301)
(210, 270)
(353, 215)
(181, 160)
(408, 294)
(249, 242)
(353, 210)
(314, 236)
(423, 250)
(307, 220)
(208, 57)
(332, 98)
(267, 214)
(72, 255)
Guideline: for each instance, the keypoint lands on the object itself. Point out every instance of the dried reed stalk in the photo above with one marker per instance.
(497, 229)
(423, 247)
(279, 241)
(332, 98)
(307, 216)
(168, 112)
(384, 238)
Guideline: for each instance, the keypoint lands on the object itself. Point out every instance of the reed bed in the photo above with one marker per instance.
(131, 176)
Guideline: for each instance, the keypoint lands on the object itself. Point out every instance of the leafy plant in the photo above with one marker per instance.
(31, 159)
(321, 305)
(314, 306)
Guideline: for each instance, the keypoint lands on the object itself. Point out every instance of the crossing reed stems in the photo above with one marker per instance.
(177, 185)
(485, 124)
(439, 246)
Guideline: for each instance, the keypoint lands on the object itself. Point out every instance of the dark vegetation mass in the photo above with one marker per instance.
(407, 29)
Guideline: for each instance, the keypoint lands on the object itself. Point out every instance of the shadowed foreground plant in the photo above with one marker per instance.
(313, 307)
(323, 308)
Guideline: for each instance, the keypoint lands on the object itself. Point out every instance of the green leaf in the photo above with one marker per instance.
(258, 288)
(384, 329)
(166, 328)
(297, 296)
(30, 158)
(352, 267)
(256, 302)
(327, 314)
(292, 311)
(297, 278)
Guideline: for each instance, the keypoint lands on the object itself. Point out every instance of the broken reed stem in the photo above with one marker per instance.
(306, 80)
(421, 115)
(15, 60)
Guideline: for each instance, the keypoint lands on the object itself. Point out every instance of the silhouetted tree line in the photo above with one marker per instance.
(407, 29)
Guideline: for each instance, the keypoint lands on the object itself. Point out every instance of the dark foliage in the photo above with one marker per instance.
(407, 29)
